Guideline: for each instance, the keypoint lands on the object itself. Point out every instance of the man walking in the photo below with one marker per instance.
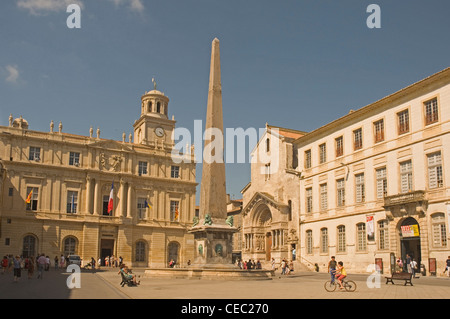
(42, 261)
(332, 268)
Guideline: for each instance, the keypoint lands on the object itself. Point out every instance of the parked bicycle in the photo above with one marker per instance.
(349, 285)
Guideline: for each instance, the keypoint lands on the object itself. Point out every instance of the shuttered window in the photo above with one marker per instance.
(381, 183)
(309, 200)
(435, 178)
(360, 188)
(439, 230)
(340, 186)
(323, 197)
(406, 177)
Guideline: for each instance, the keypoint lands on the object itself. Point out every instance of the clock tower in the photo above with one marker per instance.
(154, 128)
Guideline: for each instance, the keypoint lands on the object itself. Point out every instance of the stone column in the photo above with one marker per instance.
(122, 192)
(88, 195)
(97, 194)
(129, 201)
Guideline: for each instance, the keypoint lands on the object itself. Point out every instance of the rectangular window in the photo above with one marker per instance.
(309, 242)
(10, 191)
(383, 232)
(32, 197)
(435, 177)
(308, 159)
(105, 205)
(362, 237)
(339, 146)
(340, 186)
(403, 122)
(142, 169)
(35, 154)
(381, 183)
(431, 111)
(341, 239)
(322, 153)
(72, 202)
(323, 197)
(309, 200)
(439, 230)
(357, 139)
(175, 172)
(174, 211)
(360, 188)
(267, 172)
(378, 128)
(324, 240)
(406, 177)
(141, 208)
(74, 159)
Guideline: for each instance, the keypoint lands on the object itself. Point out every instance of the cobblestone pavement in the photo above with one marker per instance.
(305, 285)
(104, 284)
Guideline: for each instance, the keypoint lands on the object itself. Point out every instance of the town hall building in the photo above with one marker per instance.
(56, 188)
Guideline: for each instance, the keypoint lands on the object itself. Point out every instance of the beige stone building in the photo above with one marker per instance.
(270, 213)
(70, 178)
(374, 186)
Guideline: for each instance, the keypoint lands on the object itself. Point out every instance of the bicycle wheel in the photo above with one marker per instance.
(350, 286)
(330, 286)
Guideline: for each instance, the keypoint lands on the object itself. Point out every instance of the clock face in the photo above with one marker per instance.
(159, 131)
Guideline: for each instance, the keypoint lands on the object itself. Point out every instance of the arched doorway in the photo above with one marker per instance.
(262, 225)
(173, 252)
(409, 232)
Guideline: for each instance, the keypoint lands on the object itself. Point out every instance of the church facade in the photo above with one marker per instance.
(371, 187)
(56, 189)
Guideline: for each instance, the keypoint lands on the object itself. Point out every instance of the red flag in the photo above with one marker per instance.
(110, 203)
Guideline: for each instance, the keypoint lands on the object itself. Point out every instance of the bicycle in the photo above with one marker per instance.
(349, 285)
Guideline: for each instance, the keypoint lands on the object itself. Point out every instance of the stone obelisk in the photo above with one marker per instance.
(213, 231)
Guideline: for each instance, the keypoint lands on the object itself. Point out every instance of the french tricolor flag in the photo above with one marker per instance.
(110, 202)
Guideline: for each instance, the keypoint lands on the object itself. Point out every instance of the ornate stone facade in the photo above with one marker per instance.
(71, 178)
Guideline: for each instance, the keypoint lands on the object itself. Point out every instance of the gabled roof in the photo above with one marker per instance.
(258, 196)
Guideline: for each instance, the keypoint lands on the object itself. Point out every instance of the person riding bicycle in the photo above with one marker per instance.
(341, 273)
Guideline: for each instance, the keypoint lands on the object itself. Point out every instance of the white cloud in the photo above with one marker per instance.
(38, 7)
(133, 5)
(13, 74)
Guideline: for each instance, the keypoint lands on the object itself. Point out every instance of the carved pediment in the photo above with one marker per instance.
(263, 198)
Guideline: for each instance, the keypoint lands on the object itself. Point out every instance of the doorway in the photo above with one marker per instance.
(410, 240)
(174, 249)
(106, 249)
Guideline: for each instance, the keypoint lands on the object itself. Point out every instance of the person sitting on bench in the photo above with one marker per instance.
(127, 274)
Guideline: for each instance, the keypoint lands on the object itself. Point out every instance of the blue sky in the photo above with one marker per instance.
(296, 64)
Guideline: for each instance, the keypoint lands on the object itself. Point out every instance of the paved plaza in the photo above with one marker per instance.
(104, 284)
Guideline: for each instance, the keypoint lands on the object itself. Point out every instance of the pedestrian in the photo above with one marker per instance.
(61, 261)
(99, 262)
(408, 264)
(413, 268)
(399, 265)
(41, 262)
(291, 266)
(332, 268)
(5, 263)
(283, 266)
(17, 268)
(447, 266)
(273, 264)
(31, 267)
(47, 263)
(56, 262)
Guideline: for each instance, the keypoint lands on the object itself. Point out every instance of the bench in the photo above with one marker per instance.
(400, 276)
(126, 281)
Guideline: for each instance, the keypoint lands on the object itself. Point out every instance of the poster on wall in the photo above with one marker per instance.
(370, 228)
(410, 231)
